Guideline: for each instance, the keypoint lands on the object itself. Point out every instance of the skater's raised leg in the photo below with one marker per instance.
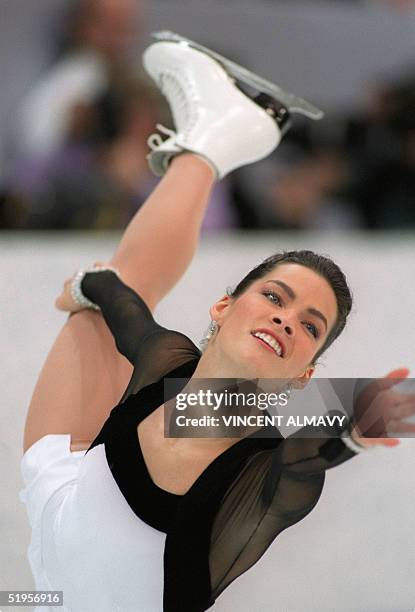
(84, 376)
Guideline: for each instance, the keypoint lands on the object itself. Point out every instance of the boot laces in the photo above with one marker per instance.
(155, 140)
(183, 100)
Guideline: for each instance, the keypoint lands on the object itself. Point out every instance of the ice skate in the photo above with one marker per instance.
(212, 116)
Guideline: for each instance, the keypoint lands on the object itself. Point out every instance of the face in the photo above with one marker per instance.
(292, 306)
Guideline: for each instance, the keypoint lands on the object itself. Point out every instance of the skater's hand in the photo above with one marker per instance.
(380, 409)
(65, 300)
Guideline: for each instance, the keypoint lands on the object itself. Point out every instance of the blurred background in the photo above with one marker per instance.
(76, 111)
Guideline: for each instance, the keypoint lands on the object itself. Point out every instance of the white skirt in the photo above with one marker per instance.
(86, 541)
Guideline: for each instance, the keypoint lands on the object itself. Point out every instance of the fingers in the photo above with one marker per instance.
(398, 373)
(393, 378)
(388, 410)
(401, 426)
(368, 393)
(61, 302)
(389, 441)
(405, 408)
(381, 442)
(403, 398)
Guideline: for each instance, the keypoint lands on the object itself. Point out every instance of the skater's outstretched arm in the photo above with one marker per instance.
(377, 406)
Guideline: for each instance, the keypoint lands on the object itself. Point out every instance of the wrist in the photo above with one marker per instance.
(353, 440)
(357, 439)
(76, 286)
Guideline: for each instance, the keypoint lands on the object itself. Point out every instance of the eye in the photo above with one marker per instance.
(273, 297)
(313, 329)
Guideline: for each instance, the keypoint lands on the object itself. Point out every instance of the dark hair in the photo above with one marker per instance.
(323, 266)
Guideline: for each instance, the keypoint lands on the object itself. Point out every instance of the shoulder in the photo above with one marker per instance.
(162, 339)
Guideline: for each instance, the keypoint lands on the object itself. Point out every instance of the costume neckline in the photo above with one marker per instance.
(125, 449)
(212, 464)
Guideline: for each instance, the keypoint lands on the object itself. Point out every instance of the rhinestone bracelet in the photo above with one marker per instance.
(76, 290)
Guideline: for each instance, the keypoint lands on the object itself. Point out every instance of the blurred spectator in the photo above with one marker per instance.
(303, 185)
(71, 115)
(93, 60)
(305, 194)
(100, 186)
(80, 151)
(382, 145)
(404, 6)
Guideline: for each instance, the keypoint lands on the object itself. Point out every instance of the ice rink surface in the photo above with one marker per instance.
(356, 550)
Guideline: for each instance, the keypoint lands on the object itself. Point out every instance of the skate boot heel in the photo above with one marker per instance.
(276, 110)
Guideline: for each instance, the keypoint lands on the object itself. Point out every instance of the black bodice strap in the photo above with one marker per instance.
(153, 505)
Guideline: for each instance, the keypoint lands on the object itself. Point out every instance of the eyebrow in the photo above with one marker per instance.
(291, 294)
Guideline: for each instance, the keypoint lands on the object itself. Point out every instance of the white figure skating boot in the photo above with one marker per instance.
(213, 117)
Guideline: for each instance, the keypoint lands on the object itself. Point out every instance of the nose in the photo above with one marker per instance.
(284, 323)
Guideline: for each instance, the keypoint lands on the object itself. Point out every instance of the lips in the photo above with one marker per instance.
(271, 333)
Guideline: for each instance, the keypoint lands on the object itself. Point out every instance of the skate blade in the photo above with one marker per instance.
(292, 102)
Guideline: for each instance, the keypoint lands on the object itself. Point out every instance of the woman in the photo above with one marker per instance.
(122, 517)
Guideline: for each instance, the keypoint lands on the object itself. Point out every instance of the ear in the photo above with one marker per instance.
(302, 381)
(219, 309)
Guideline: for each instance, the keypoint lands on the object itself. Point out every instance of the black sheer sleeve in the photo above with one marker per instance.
(152, 349)
(305, 453)
(126, 314)
(276, 489)
(277, 486)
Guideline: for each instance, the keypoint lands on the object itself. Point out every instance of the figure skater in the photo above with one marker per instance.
(122, 517)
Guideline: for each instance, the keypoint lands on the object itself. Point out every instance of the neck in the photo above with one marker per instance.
(213, 365)
(209, 375)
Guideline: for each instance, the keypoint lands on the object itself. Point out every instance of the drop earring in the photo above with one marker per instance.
(211, 330)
